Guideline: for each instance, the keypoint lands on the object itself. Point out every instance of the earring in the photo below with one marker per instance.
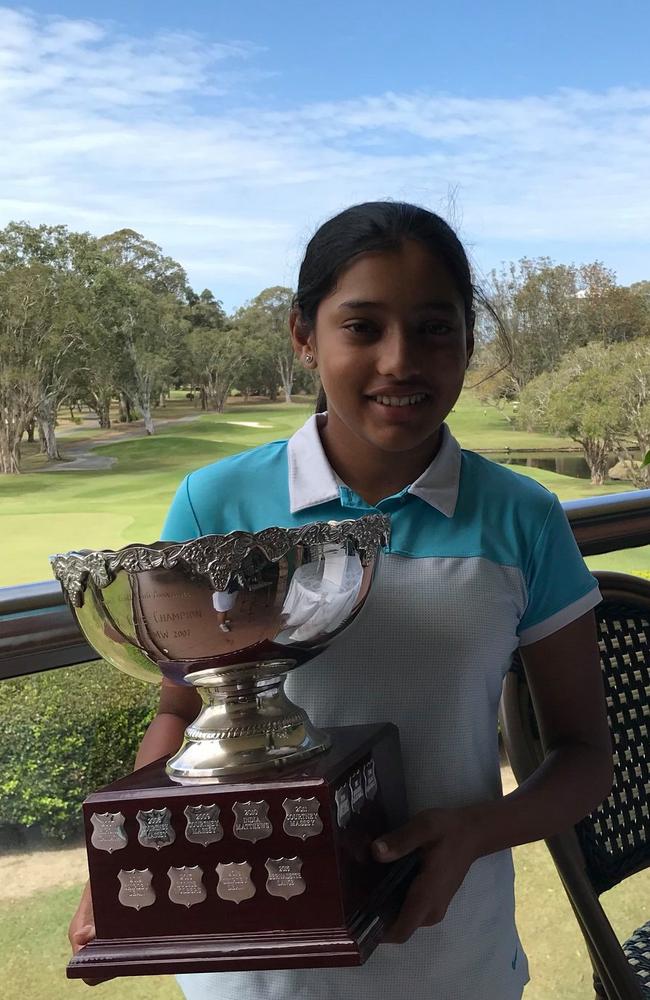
(309, 358)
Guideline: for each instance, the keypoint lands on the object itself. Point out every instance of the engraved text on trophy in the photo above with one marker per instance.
(369, 780)
(343, 811)
(357, 796)
(108, 832)
(186, 885)
(234, 881)
(135, 888)
(284, 877)
(251, 821)
(302, 818)
(203, 826)
(155, 828)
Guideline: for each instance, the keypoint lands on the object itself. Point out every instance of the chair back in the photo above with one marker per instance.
(613, 841)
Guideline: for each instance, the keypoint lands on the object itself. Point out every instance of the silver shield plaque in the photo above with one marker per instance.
(234, 881)
(284, 877)
(369, 780)
(343, 812)
(108, 832)
(155, 828)
(186, 885)
(302, 818)
(203, 826)
(251, 821)
(135, 888)
(357, 797)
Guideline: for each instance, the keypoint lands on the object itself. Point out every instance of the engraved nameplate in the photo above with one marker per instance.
(155, 828)
(356, 791)
(284, 877)
(135, 888)
(369, 780)
(234, 881)
(186, 885)
(302, 818)
(252, 821)
(343, 812)
(108, 832)
(203, 826)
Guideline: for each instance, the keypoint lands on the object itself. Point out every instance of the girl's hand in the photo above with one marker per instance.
(82, 928)
(447, 843)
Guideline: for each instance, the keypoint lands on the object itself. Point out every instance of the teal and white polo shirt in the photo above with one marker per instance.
(480, 561)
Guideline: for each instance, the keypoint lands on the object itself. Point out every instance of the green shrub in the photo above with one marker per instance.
(63, 734)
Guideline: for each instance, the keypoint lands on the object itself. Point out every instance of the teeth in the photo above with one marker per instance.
(400, 400)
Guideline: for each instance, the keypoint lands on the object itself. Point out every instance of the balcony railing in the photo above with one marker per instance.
(38, 632)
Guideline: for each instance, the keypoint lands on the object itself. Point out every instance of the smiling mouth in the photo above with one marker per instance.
(414, 400)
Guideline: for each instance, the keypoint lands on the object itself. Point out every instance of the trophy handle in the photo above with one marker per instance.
(247, 723)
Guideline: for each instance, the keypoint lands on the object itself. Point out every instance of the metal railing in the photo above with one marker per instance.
(38, 632)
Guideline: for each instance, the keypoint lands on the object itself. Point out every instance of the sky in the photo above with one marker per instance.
(228, 132)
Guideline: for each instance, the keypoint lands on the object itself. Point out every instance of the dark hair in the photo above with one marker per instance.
(375, 226)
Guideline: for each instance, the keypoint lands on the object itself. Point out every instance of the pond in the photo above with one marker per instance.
(565, 463)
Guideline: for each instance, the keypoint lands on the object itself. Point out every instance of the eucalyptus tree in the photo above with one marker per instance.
(146, 299)
(37, 338)
(264, 322)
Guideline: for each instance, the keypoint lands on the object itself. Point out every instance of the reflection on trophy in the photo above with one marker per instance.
(250, 847)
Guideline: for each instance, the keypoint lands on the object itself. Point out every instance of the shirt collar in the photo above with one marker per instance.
(312, 480)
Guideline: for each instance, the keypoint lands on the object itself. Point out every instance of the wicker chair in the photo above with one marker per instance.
(613, 842)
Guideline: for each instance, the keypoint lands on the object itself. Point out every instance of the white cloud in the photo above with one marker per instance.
(101, 130)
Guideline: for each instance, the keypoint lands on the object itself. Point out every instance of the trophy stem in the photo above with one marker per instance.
(247, 723)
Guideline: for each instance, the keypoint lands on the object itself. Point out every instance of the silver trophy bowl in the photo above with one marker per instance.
(231, 615)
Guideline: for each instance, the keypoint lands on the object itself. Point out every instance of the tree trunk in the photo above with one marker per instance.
(31, 426)
(126, 410)
(596, 455)
(9, 453)
(104, 414)
(47, 423)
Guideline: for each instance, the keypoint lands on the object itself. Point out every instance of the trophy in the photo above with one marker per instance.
(250, 847)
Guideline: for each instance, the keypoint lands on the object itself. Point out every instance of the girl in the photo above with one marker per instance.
(480, 561)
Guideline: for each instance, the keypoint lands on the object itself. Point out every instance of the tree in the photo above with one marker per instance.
(35, 349)
(548, 310)
(577, 401)
(265, 320)
(216, 357)
(147, 297)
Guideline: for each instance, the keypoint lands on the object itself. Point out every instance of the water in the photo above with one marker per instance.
(566, 464)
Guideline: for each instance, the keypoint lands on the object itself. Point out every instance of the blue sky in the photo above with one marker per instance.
(228, 132)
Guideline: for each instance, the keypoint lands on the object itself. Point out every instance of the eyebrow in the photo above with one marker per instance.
(438, 304)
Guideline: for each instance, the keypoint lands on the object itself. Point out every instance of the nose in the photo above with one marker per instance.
(398, 354)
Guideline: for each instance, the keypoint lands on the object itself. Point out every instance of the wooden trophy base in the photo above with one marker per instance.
(268, 873)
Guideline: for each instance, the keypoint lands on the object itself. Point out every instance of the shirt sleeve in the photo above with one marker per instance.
(560, 587)
(181, 523)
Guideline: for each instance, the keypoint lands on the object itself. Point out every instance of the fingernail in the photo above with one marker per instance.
(381, 847)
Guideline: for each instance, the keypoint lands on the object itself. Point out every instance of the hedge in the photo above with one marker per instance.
(64, 733)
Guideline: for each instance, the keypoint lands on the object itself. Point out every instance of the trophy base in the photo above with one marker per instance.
(240, 952)
(267, 871)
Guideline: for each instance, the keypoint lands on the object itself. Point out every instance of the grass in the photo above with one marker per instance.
(34, 952)
(34, 948)
(46, 512)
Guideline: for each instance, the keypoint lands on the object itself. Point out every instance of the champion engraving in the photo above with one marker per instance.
(108, 832)
(136, 890)
(186, 885)
(251, 821)
(369, 780)
(203, 826)
(302, 818)
(343, 811)
(155, 828)
(234, 881)
(356, 791)
(284, 877)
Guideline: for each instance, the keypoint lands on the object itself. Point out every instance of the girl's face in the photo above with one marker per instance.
(391, 345)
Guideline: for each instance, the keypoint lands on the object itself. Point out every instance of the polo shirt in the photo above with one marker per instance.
(480, 560)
